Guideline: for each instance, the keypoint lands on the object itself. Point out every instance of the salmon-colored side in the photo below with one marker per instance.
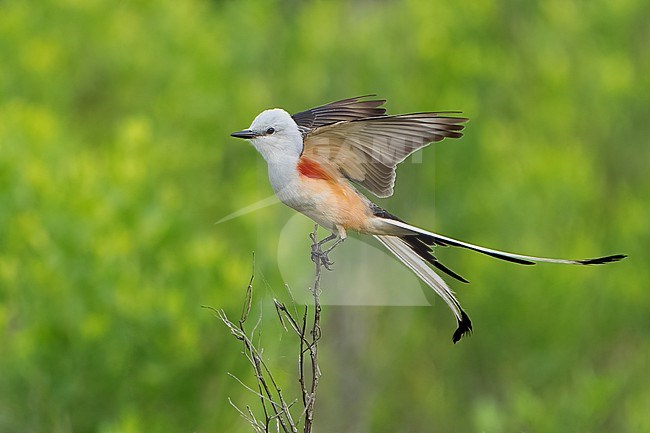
(312, 169)
(342, 202)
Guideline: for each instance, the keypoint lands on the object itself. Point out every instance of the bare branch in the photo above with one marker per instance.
(263, 374)
(309, 399)
(276, 411)
(254, 392)
(249, 295)
(250, 418)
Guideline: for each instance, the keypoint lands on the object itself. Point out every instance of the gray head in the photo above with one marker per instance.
(274, 134)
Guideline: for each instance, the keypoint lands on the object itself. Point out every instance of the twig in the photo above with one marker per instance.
(275, 409)
(280, 409)
(309, 399)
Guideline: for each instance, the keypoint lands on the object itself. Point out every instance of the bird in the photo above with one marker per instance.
(318, 160)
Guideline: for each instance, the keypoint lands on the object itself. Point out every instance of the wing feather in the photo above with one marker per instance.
(367, 149)
(344, 110)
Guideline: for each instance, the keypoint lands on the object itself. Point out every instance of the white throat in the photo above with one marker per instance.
(278, 139)
(283, 172)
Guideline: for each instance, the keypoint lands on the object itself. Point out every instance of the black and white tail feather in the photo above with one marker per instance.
(412, 260)
(413, 246)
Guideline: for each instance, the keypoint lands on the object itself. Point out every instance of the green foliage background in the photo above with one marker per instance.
(115, 164)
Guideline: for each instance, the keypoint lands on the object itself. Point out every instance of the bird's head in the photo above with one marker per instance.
(273, 133)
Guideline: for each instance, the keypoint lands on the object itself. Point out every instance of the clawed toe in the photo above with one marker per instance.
(321, 258)
(326, 262)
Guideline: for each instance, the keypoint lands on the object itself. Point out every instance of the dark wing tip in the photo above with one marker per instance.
(603, 260)
(464, 327)
(343, 110)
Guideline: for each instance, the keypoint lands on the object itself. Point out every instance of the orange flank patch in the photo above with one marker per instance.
(336, 200)
(312, 169)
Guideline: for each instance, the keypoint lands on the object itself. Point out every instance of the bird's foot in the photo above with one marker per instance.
(321, 258)
(318, 256)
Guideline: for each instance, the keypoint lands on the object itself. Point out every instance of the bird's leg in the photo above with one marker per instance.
(325, 240)
(318, 256)
(317, 253)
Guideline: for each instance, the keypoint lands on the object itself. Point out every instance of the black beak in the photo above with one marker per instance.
(246, 133)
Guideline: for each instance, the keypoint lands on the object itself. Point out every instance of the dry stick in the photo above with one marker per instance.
(254, 360)
(281, 410)
(301, 359)
(244, 315)
(254, 357)
(315, 336)
(260, 366)
(307, 344)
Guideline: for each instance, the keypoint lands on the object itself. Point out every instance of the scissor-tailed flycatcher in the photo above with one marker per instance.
(313, 155)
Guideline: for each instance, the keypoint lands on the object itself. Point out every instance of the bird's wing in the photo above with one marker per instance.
(367, 150)
(339, 111)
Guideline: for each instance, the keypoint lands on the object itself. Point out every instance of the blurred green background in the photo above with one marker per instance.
(115, 164)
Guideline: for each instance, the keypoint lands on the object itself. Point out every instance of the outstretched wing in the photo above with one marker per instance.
(339, 111)
(367, 150)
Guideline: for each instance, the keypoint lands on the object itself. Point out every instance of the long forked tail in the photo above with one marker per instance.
(414, 247)
(429, 239)
(412, 259)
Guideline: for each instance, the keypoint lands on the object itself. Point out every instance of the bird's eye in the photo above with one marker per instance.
(270, 131)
